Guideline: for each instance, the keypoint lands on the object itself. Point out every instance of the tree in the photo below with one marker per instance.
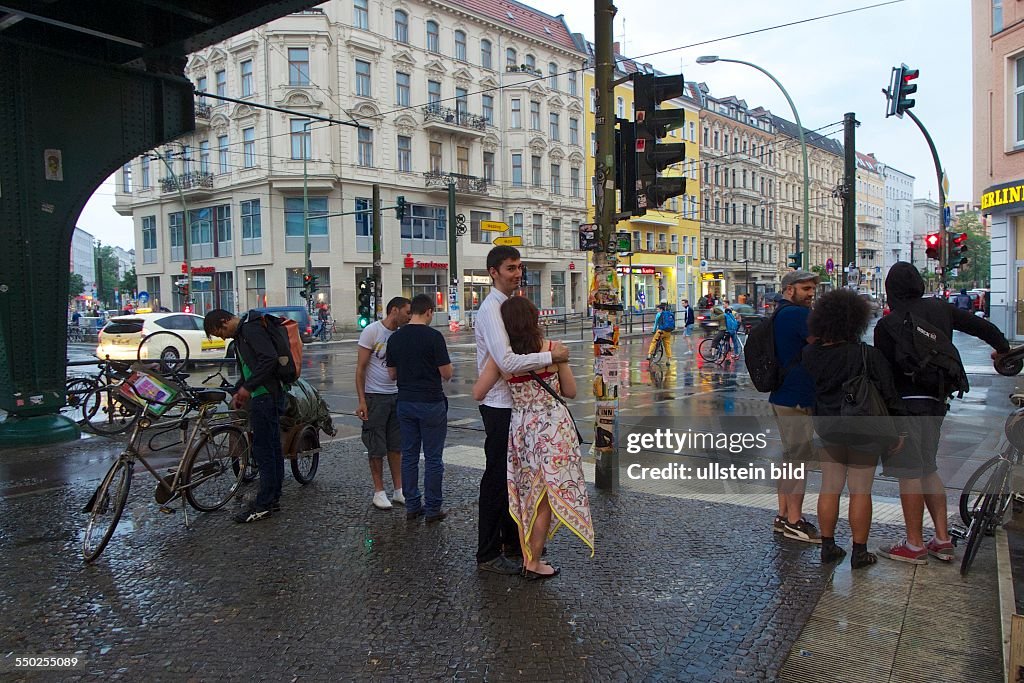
(106, 274)
(821, 273)
(76, 285)
(129, 282)
(978, 270)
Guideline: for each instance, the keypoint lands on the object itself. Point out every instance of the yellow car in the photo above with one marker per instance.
(180, 337)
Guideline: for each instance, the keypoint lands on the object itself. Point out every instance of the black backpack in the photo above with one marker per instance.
(759, 356)
(925, 355)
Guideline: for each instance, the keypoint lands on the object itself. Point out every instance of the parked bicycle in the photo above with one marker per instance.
(208, 475)
(76, 334)
(990, 491)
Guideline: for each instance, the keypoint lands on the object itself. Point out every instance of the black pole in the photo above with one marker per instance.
(850, 124)
(939, 175)
(375, 235)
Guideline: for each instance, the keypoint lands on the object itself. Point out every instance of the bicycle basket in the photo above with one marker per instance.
(150, 392)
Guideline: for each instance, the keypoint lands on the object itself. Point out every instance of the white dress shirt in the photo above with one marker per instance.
(492, 342)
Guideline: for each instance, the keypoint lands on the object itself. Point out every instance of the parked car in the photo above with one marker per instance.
(297, 313)
(120, 338)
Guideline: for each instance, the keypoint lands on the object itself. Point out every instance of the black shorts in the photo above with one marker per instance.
(923, 426)
(861, 455)
(381, 433)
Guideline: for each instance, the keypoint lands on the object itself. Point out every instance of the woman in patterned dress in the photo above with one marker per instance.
(545, 471)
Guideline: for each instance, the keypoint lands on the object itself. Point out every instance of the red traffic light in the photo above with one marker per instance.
(932, 239)
(960, 240)
(910, 74)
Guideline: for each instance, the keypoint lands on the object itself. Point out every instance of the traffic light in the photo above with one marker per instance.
(651, 125)
(931, 245)
(187, 308)
(314, 283)
(901, 87)
(364, 308)
(957, 250)
(796, 260)
(400, 207)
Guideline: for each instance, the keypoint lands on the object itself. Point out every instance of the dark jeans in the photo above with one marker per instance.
(496, 524)
(265, 420)
(423, 425)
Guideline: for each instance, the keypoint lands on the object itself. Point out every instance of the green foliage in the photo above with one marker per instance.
(821, 273)
(76, 285)
(129, 283)
(106, 275)
(979, 253)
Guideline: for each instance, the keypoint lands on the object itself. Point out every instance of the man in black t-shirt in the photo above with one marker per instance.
(417, 358)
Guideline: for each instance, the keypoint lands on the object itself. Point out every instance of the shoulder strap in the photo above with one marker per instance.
(554, 394)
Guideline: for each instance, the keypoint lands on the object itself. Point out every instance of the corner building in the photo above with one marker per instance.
(468, 94)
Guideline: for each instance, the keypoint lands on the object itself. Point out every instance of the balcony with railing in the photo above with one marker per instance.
(643, 247)
(454, 120)
(190, 182)
(439, 181)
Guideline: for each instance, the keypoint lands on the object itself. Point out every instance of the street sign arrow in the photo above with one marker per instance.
(514, 241)
(493, 226)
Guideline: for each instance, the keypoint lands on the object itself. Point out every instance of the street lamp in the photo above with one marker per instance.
(711, 59)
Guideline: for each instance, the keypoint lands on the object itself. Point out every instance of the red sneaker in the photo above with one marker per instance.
(901, 553)
(942, 550)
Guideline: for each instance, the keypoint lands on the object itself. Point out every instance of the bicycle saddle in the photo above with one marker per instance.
(210, 396)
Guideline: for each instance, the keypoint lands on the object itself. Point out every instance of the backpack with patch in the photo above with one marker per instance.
(766, 373)
(667, 321)
(926, 356)
(288, 343)
(731, 323)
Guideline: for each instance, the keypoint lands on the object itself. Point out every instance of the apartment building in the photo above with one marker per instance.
(925, 220)
(870, 222)
(459, 94)
(899, 217)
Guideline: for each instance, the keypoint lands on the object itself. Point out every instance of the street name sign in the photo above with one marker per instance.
(493, 226)
(514, 241)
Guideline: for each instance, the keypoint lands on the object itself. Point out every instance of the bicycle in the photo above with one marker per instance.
(76, 334)
(325, 330)
(659, 351)
(207, 476)
(716, 349)
(983, 509)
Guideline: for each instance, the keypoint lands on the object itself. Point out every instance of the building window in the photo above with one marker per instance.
(997, 16)
(593, 101)
(361, 14)
(424, 230)
(126, 177)
(488, 109)
(572, 83)
(1019, 97)
(460, 45)
(461, 103)
(554, 127)
(517, 170)
(402, 88)
(204, 158)
(510, 57)
(517, 225)
(435, 157)
(693, 132)
(405, 153)
(362, 78)
(201, 230)
(434, 94)
(620, 106)
(534, 115)
(149, 239)
(475, 233)
(255, 288)
(220, 78)
(489, 167)
(556, 233)
(366, 147)
(538, 229)
(558, 289)
(145, 172)
(252, 229)
(225, 291)
(516, 120)
(222, 216)
(553, 75)
(433, 37)
(300, 139)
(574, 131)
(707, 209)
(574, 181)
(535, 171)
(531, 62)
(556, 179)
(485, 53)
(201, 87)
(293, 213)
(462, 160)
(401, 26)
(222, 154)
(246, 68)
(364, 227)
(715, 137)
(298, 66)
(249, 147)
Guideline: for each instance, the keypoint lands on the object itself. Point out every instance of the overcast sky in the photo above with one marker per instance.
(829, 67)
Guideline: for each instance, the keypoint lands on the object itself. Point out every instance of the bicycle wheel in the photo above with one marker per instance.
(972, 491)
(212, 468)
(329, 333)
(659, 351)
(108, 412)
(106, 507)
(976, 532)
(307, 458)
(709, 350)
(76, 390)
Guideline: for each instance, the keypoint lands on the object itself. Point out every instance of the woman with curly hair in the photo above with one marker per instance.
(849, 458)
(545, 470)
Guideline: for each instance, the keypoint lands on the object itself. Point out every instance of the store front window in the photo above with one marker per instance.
(293, 280)
(433, 283)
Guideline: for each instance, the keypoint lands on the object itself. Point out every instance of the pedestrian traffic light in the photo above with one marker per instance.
(796, 260)
(901, 87)
(364, 300)
(314, 283)
(187, 308)
(931, 245)
(651, 124)
(957, 250)
(399, 207)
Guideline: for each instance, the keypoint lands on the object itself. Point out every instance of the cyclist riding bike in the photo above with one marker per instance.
(664, 325)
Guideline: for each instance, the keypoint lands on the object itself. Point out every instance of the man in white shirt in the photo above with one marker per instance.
(497, 529)
(378, 402)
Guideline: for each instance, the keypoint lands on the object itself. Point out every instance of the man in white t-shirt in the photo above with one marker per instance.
(378, 395)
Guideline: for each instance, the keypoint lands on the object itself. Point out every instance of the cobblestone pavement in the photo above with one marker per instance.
(333, 589)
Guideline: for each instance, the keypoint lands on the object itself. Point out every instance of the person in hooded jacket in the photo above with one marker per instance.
(915, 465)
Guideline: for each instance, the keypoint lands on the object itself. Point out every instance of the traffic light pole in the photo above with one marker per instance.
(850, 124)
(605, 289)
(454, 316)
(377, 230)
(940, 176)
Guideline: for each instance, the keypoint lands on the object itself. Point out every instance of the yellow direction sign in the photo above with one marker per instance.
(493, 226)
(514, 241)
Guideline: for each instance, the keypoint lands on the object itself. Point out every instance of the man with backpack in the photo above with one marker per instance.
(664, 325)
(259, 389)
(688, 321)
(916, 339)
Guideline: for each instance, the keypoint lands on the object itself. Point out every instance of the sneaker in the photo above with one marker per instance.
(380, 501)
(941, 550)
(831, 553)
(779, 525)
(252, 514)
(801, 531)
(410, 516)
(275, 506)
(901, 553)
(398, 498)
(439, 517)
(501, 565)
